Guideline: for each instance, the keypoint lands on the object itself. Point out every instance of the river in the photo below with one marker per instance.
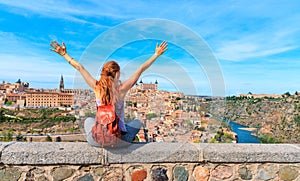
(243, 135)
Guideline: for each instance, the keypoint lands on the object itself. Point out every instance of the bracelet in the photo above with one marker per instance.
(70, 60)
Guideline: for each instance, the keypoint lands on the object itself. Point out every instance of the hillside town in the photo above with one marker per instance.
(167, 116)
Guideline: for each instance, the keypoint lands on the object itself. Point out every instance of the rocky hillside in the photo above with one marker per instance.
(37, 120)
(276, 119)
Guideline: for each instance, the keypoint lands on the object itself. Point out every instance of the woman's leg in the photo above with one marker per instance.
(88, 125)
(133, 127)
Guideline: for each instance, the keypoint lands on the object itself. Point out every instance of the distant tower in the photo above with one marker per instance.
(19, 81)
(141, 85)
(156, 85)
(61, 84)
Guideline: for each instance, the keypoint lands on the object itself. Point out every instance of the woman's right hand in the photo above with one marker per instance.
(61, 50)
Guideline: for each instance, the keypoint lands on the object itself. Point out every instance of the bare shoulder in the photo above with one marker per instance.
(122, 92)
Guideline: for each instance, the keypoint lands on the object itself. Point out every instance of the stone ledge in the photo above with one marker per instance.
(162, 152)
(79, 153)
(252, 153)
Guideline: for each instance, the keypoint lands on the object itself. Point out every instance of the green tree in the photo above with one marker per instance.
(2, 117)
(7, 136)
(297, 120)
(31, 131)
(197, 141)
(228, 135)
(213, 140)
(132, 117)
(71, 130)
(8, 102)
(189, 124)
(89, 113)
(217, 136)
(199, 108)
(287, 94)
(201, 128)
(48, 138)
(151, 115)
(267, 138)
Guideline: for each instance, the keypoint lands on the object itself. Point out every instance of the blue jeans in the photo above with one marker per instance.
(133, 127)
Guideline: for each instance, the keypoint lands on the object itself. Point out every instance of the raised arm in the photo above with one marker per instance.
(126, 85)
(62, 50)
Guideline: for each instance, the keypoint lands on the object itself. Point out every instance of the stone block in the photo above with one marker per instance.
(288, 172)
(245, 173)
(10, 174)
(201, 173)
(266, 172)
(155, 153)
(34, 153)
(253, 153)
(3, 145)
(87, 177)
(222, 172)
(139, 175)
(62, 173)
(159, 174)
(180, 173)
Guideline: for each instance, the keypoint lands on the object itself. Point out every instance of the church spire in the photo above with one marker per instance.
(61, 84)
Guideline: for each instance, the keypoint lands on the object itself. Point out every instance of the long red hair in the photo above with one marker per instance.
(106, 86)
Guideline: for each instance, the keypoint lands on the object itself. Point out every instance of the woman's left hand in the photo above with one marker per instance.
(159, 50)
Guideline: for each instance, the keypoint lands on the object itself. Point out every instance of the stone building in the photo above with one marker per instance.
(49, 99)
(250, 95)
(20, 94)
(149, 86)
(18, 86)
(17, 98)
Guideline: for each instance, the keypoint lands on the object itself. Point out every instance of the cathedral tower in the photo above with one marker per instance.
(61, 84)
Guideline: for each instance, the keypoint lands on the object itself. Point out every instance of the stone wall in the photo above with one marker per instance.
(153, 161)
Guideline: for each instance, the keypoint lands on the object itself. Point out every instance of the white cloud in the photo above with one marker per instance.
(256, 45)
(37, 68)
(238, 51)
(57, 9)
(20, 58)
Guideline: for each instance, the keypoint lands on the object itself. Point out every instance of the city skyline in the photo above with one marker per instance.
(254, 43)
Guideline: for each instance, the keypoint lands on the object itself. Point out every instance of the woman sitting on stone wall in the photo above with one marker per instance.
(109, 91)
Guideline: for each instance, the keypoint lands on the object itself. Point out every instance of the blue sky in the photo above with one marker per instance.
(215, 47)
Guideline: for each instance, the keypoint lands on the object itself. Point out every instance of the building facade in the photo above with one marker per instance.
(49, 99)
(18, 86)
(143, 86)
(20, 94)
